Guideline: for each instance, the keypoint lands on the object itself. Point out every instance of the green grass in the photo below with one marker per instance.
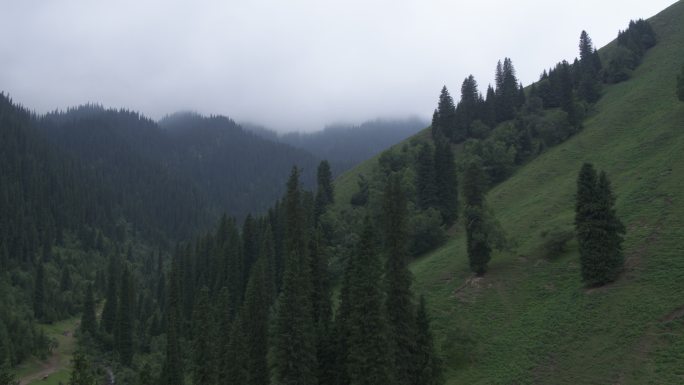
(61, 358)
(529, 320)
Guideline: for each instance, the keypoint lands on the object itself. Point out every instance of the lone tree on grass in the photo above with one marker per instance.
(477, 234)
(599, 230)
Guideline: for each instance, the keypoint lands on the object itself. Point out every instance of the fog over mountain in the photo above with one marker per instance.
(295, 65)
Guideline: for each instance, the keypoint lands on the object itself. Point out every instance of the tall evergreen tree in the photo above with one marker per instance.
(478, 245)
(294, 345)
(589, 67)
(250, 247)
(398, 303)
(507, 95)
(108, 319)
(446, 182)
(325, 194)
(426, 187)
(429, 366)
(172, 370)
(368, 361)
(202, 334)
(444, 120)
(39, 292)
(123, 329)
(566, 94)
(599, 231)
(88, 318)
(468, 109)
(255, 317)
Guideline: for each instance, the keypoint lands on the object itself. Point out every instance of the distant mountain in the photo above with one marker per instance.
(181, 173)
(347, 145)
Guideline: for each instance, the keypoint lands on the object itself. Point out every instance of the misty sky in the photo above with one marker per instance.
(288, 64)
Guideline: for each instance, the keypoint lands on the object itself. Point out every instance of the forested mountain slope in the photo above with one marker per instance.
(345, 146)
(530, 319)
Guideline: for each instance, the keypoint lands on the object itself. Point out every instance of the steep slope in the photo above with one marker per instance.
(529, 320)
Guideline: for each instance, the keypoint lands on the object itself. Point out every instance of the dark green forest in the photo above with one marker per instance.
(194, 252)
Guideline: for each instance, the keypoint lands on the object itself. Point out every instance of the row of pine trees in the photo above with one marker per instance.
(256, 305)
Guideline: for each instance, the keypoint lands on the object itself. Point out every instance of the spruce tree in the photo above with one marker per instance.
(426, 187)
(324, 193)
(507, 94)
(478, 245)
(446, 182)
(468, 109)
(368, 361)
(202, 334)
(236, 361)
(88, 318)
(589, 67)
(398, 303)
(123, 329)
(444, 119)
(108, 319)
(566, 94)
(428, 364)
(39, 293)
(172, 369)
(599, 231)
(294, 345)
(254, 317)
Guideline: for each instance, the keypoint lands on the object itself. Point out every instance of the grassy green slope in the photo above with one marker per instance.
(529, 320)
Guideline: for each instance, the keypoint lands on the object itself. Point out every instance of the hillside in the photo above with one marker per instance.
(529, 320)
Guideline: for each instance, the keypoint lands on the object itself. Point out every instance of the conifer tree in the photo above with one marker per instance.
(477, 236)
(368, 361)
(426, 187)
(324, 193)
(88, 318)
(468, 109)
(108, 319)
(254, 317)
(507, 94)
(446, 181)
(428, 365)
(599, 231)
(444, 119)
(172, 370)
(294, 345)
(589, 67)
(236, 361)
(202, 334)
(398, 303)
(123, 329)
(250, 247)
(39, 292)
(566, 95)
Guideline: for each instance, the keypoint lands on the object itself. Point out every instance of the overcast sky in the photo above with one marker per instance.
(286, 64)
